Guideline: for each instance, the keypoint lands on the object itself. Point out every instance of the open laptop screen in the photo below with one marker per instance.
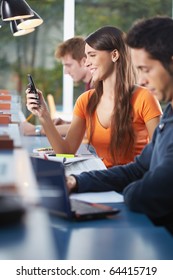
(55, 197)
(51, 180)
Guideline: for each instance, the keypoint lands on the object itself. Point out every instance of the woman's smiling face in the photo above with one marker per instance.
(100, 63)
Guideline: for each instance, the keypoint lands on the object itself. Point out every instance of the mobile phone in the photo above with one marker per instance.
(33, 88)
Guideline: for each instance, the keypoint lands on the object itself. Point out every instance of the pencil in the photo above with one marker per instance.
(29, 117)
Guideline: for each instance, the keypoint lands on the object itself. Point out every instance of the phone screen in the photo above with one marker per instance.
(32, 86)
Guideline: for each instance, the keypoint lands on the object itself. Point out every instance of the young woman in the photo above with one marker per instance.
(118, 116)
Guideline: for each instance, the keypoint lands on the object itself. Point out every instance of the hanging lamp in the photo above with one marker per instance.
(17, 31)
(15, 9)
(32, 22)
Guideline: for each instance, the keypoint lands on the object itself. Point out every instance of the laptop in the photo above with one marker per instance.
(55, 197)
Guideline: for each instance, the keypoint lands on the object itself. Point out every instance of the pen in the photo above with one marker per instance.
(29, 117)
(62, 155)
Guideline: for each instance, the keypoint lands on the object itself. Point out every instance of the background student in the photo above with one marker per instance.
(147, 184)
(118, 116)
(72, 55)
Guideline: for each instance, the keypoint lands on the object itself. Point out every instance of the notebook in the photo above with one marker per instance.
(54, 194)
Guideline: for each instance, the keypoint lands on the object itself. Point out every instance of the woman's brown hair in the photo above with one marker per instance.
(109, 38)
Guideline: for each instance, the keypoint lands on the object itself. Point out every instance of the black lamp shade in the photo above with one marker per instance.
(32, 22)
(15, 9)
(19, 32)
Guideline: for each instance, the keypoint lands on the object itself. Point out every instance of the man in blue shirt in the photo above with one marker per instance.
(147, 183)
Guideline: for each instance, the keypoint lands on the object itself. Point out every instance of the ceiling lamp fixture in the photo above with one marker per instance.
(23, 19)
(15, 9)
(28, 23)
(17, 31)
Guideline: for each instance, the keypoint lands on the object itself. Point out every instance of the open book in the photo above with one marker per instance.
(84, 160)
(79, 163)
(93, 163)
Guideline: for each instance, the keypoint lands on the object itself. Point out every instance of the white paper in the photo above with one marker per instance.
(89, 164)
(69, 160)
(99, 197)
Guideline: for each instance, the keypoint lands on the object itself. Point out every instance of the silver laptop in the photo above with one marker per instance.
(54, 194)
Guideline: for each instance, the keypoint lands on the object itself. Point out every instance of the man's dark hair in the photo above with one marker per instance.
(155, 35)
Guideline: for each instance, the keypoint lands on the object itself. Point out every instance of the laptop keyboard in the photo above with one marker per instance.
(83, 207)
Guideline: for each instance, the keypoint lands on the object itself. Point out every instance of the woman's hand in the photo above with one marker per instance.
(71, 183)
(34, 106)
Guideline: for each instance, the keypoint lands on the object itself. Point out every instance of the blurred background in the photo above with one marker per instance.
(34, 52)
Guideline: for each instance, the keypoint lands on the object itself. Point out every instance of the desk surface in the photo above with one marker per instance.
(28, 240)
(128, 235)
